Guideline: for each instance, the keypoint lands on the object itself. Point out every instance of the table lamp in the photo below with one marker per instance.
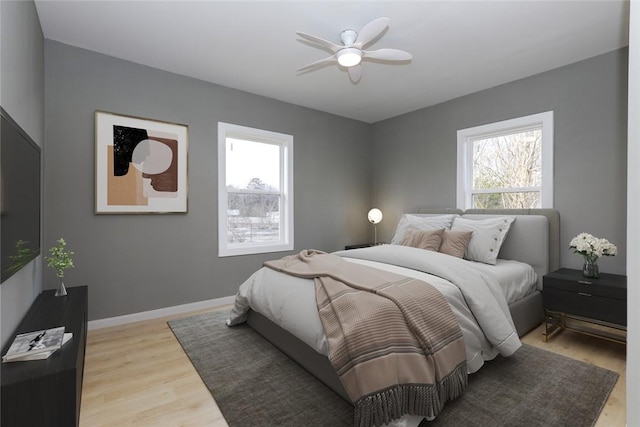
(375, 216)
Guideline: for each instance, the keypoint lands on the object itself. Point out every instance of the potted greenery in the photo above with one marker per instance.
(60, 260)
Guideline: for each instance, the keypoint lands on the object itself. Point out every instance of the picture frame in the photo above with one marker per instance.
(141, 165)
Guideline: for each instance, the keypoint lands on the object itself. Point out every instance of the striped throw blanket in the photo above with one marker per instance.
(393, 340)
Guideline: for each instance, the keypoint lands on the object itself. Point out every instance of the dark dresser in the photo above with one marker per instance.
(47, 392)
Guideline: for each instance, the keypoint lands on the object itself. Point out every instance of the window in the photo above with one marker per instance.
(255, 191)
(507, 165)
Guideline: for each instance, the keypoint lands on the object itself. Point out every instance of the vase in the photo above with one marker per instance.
(61, 291)
(590, 267)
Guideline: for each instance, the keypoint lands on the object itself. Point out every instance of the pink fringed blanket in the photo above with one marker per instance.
(393, 340)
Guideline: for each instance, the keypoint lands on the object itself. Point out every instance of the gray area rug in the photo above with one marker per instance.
(255, 384)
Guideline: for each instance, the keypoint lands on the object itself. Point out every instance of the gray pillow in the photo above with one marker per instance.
(487, 238)
(421, 223)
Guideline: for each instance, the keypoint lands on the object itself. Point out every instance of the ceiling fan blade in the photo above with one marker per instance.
(326, 60)
(322, 42)
(355, 73)
(387, 54)
(370, 31)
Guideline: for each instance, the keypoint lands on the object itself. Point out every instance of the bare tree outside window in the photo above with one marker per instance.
(507, 171)
(506, 164)
(254, 214)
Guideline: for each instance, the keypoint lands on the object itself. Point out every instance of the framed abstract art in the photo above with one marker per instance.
(141, 165)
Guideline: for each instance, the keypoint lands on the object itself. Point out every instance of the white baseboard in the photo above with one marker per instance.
(161, 312)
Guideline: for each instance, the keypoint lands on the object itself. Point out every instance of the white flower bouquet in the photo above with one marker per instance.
(592, 247)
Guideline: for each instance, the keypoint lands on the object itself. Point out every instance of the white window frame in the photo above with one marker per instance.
(466, 137)
(285, 142)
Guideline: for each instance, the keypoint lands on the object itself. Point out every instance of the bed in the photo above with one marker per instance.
(282, 308)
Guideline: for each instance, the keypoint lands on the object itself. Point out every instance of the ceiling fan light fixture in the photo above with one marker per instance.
(349, 57)
(351, 53)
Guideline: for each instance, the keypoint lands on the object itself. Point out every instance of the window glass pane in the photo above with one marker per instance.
(253, 218)
(510, 156)
(516, 200)
(255, 191)
(508, 161)
(252, 165)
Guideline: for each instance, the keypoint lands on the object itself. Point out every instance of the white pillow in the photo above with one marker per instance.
(487, 238)
(408, 221)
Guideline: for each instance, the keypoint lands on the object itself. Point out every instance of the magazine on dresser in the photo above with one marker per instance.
(36, 345)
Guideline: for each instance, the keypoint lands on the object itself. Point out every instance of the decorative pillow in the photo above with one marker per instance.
(454, 243)
(487, 238)
(421, 223)
(429, 239)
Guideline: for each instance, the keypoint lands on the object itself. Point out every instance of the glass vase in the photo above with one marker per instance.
(590, 267)
(62, 290)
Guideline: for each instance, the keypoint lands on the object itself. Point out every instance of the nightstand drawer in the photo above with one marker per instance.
(586, 304)
(595, 287)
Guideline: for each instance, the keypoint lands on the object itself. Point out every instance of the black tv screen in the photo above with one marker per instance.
(19, 197)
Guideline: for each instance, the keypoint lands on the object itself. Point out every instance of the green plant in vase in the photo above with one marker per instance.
(60, 259)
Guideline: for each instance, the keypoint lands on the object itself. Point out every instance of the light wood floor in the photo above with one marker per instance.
(138, 374)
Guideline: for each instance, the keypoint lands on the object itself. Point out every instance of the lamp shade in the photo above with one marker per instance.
(375, 216)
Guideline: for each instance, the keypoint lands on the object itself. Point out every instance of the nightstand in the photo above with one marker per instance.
(358, 246)
(596, 307)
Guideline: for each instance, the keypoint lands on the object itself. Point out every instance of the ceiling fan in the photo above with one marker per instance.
(351, 53)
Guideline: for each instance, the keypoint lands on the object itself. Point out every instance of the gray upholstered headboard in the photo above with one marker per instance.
(534, 237)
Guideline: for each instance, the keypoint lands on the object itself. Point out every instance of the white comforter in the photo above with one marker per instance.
(475, 297)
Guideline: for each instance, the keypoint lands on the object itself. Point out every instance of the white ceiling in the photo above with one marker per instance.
(458, 47)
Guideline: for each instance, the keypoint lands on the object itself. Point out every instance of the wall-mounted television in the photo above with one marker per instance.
(19, 197)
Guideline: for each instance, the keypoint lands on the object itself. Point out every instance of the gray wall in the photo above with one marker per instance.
(414, 155)
(22, 96)
(134, 263)
(633, 230)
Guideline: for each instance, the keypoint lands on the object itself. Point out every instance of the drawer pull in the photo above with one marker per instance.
(584, 282)
(584, 294)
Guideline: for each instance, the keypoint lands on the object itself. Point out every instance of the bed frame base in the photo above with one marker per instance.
(316, 363)
(526, 313)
